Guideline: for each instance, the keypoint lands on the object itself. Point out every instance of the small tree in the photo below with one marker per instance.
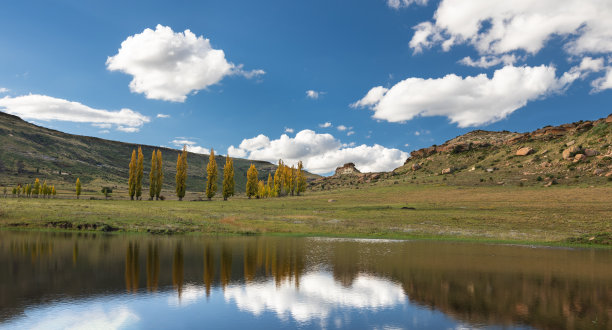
(261, 189)
(132, 178)
(107, 192)
(278, 179)
(78, 188)
(28, 190)
(153, 176)
(44, 189)
(14, 191)
(160, 174)
(18, 191)
(139, 173)
(228, 178)
(301, 179)
(181, 174)
(36, 189)
(211, 175)
(251, 185)
(270, 186)
(53, 192)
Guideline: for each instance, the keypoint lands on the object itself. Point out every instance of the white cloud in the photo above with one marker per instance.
(47, 108)
(128, 129)
(505, 26)
(102, 125)
(236, 152)
(469, 101)
(342, 128)
(489, 61)
(289, 130)
(313, 94)
(191, 146)
(104, 131)
(317, 297)
(168, 65)
(397, 4)
(349, 133)
(161, 115)
(604, 82)
(320, 153)
(4, 90)
(325, 125)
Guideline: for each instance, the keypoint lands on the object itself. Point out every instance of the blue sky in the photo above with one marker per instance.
(547, 64)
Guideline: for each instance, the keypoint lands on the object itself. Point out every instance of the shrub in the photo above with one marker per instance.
(539, 178)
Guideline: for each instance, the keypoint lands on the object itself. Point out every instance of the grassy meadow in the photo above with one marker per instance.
(558, 214)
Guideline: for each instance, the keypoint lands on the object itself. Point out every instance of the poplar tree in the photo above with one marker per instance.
(228, 178)
(160, 174)
(270, 186)
(153, 176)
(14, 191)
(44, 189)
(292, 180)
(278, 179)
(251, 185)
(261, 189)
(139, 174)
(78, 187)
(132, 179)
(181, 174)
(36, 189)
(211, 175)
(18, 191)
(53, 192)
(301, 179)
(28, 190)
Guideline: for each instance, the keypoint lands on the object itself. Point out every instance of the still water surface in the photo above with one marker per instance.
(51, 280)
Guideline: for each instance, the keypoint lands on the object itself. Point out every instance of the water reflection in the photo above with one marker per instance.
(48, 279)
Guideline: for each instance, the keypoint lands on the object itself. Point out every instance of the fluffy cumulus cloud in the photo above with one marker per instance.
(468, 101)
(47, 108)
(320, 153)
(325, 125)
(501, 27)
(289, 130)
(4, 90)
(489, 61)
(191, 146)
(168, 65)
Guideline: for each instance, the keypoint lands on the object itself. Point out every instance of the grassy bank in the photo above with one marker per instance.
(516, 214)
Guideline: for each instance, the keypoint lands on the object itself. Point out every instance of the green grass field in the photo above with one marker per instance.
(551, 215)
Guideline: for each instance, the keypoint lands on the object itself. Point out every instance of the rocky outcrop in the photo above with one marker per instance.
(570, 152)
(348, 168)
(484, 139)
(524, 151)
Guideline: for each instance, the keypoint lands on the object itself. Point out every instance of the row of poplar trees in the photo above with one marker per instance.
(156, 176)
(287, 180)
(35, 190)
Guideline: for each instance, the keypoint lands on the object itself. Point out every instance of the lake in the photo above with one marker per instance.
(86, 280)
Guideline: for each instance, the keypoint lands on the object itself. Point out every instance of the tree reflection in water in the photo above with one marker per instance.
(473, 283)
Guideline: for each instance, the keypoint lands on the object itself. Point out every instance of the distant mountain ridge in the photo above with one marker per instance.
(28, 151)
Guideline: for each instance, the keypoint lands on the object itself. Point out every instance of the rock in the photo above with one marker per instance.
(473, 169)
(570, 152)
(331, 200)
(598, 171)
(447, 171)
(490, 170)
(416, 167)
(524, 151)
(609, 118)
(571, 143)
(590, 152)
(609, 174)
(348, 168)
(579, 157)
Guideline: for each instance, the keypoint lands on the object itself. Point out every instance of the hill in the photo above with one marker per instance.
(28, 151)
(579, 153)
